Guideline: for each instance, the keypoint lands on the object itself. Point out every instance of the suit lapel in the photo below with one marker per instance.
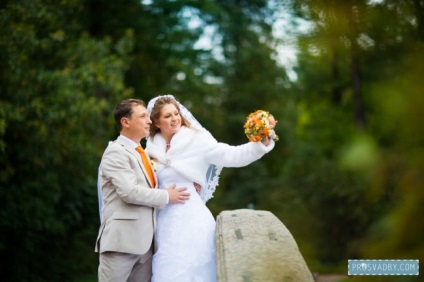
(129, 147)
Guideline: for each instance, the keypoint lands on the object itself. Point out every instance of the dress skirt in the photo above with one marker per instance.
(184, 238)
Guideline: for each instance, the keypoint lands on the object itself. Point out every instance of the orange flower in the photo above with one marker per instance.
(260, 124)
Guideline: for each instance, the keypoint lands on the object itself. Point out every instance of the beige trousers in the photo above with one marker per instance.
(121, 267)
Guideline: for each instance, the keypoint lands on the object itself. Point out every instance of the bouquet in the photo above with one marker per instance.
(260, 124)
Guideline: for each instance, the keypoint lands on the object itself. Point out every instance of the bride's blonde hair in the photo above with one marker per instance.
(156, 111)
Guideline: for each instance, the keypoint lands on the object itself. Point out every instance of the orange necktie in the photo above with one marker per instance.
(147, 165)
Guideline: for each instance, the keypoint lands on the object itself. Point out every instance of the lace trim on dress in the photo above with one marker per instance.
(212, 181)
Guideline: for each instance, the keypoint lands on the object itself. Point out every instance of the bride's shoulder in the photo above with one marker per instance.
(205, 135)
(155, 140)
(197, 134)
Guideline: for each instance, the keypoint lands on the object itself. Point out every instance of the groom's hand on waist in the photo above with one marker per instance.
(177, 195)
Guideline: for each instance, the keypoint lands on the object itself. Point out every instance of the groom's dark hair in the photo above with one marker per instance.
(125, 109)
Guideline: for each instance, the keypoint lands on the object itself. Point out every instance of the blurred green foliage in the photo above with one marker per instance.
(346, 176)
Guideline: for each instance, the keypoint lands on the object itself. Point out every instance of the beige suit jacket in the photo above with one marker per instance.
(129, 202)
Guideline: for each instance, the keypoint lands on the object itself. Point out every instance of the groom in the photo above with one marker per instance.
(125, 239)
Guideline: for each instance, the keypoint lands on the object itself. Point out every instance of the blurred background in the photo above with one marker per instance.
(344, 79)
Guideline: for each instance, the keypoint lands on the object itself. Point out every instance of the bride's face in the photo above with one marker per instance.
(169, 121)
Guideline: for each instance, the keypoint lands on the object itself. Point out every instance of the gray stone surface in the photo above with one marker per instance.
(255, 245)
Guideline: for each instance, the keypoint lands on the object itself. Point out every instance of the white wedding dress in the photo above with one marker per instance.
(185, 237)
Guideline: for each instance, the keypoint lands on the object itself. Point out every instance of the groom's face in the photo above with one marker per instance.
(139, 123)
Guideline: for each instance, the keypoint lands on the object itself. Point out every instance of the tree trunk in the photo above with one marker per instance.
(358, 104)
(355, 73)
(336, 92)
(419, 9)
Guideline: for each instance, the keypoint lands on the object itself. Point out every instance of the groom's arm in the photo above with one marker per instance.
(119, 168)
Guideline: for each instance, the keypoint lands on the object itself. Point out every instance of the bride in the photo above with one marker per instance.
(185, 153)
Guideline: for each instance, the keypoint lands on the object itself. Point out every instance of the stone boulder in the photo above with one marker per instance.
(255, 245)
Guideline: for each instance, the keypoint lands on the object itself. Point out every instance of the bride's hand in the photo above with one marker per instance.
(266, 140)
(197, 187)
